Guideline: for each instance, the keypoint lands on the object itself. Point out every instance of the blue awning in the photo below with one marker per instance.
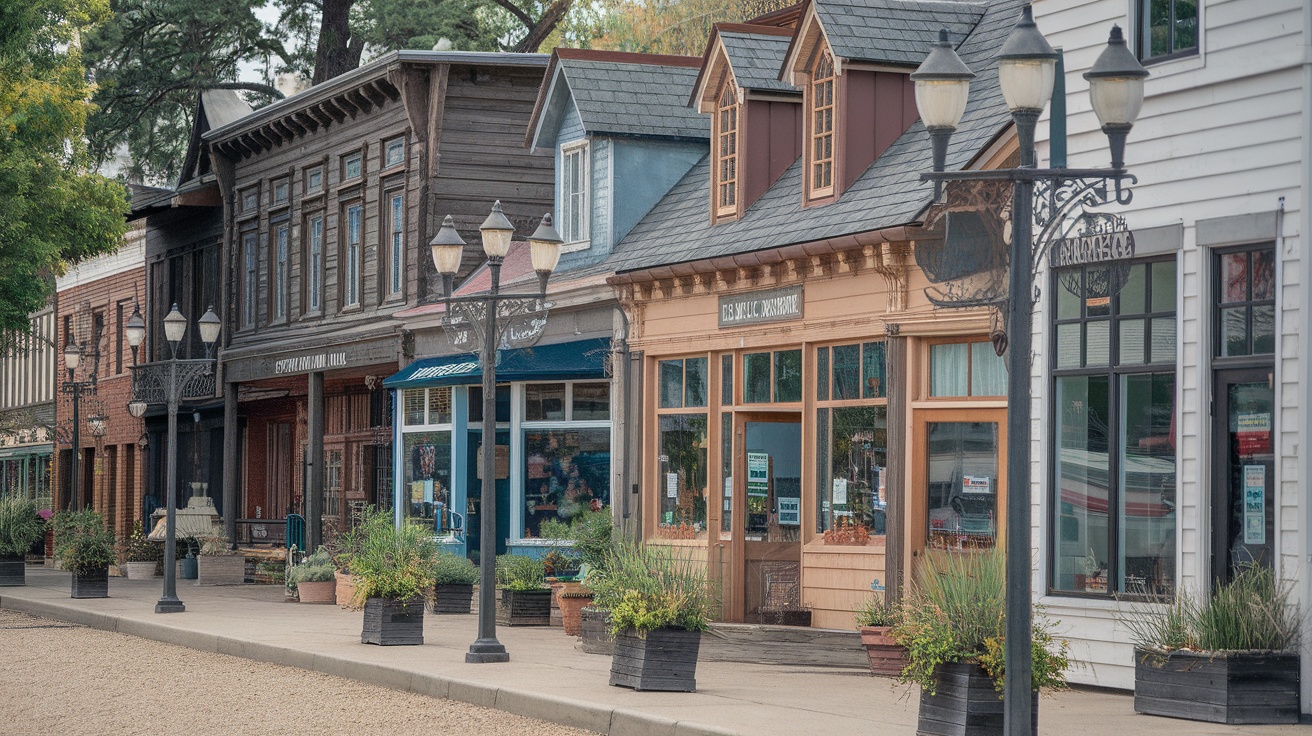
(566, 361)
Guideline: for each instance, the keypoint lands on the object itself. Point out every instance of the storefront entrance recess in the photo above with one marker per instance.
(770, 464)
(1244, 523)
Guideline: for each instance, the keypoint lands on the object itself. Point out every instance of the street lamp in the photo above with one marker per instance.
(447, 247)
(75, 390)
(98, 425)
(170, 382)
(1026, 71)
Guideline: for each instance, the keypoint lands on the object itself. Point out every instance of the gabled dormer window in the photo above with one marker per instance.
(573, 221)
(822, 127)
(726, 197)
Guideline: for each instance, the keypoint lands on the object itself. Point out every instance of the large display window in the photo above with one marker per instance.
(566, 449)
(851, 443)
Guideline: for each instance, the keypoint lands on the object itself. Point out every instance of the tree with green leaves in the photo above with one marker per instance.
(54, 209)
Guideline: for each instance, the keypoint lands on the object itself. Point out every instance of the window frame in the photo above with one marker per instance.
(682, 360)
(570, 198)
(350, 277)
(816, 86)
(1143, 35)
(1249, 304)
(347, 158)
(280, 233)
(307, 174)
(250, 277)
(971, 343)
(285, 184)
(386, 147)
(727, 146)
(825, 406)
(569, 404)
(392, 246)
(312, 276)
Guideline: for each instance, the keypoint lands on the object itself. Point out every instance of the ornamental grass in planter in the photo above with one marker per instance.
(392, 568)
(85, 548)
(140, 557)
(453, 584)
(523, 598)
(659, 601)
(313, 578)
(876, 618)
(954, 629)
(1231, 657)
(21, 526)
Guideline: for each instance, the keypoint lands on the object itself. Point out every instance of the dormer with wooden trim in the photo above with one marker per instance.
(852, 62)
(756, 119)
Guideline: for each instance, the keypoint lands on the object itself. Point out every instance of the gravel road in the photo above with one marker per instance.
(64, 679)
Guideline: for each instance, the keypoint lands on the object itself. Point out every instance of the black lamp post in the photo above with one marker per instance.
(1026, 71)
(447, 247)
(170, 382)
(75, 390)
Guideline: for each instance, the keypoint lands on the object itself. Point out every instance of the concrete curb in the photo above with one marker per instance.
(562, 711)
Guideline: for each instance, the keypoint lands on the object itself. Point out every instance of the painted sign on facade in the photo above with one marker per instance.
(769, 305)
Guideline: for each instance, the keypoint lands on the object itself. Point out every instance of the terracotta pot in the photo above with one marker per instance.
(887, 657)
(572, 600)
(345, 589)
(324, 591)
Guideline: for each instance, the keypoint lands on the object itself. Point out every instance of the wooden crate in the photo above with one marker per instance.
(94, 584)
(452, 599)
(390, 622)
(1233, 688)
(665, 659)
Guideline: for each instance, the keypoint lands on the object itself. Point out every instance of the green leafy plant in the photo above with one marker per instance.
(392, 562)
(138, 548)
(20, 526)
(346, 544)
(878, 612)
(957, 613)
(647, 588)
(82, 543)
(520, 573)
(453, 569)
(317, 568)
(1251, 612)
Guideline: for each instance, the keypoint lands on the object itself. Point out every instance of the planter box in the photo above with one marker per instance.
(887, 657)
(966, 704)
(594, 632)
(138, 570)
(220, 570)
(1233, 687)
(524, 607)
(390, 622)
(453, 598)
(323, 591)
(12, 571)
(572, 602)
(345, 589)
(665, 659)
(94, 584)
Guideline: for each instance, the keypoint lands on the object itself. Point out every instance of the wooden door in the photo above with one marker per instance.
(767, 532)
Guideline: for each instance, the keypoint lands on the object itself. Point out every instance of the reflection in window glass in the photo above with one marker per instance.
(847, 372)
(788, 375)
(567, 473)
(476, 404)
(872, 370)
(1164, 287)
(413, 411)
(1082, 472)
(671, 384)
(853, 461)
(426, 488)
(1147, 484)
(694, 382)
(591, 401)
(726, 380)
(756, 378)
(1246, 310)
(822, 374)
(353, 166)
(682, 481)
(544, 402)
(962, 469)
(439, 405)
(395, 152)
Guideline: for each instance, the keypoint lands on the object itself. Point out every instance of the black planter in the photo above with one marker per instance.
(524, 607)
(453, 598)
(93, 584)
(190, 568)
(12, 571)
(665, 659)
(389, 622)
(1234, 687)
(595, 635)
(965, 703)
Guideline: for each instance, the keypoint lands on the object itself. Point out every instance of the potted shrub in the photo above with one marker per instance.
(344, 546)
(954, 629)
(659, 602)
(217, 564)
(1231, 657)
(392, 567)
(140, 557)
(875, 619)
(85, 548)
(453, 583)
(592, 533)
(313, 578)
(524, 598)
(20, 527)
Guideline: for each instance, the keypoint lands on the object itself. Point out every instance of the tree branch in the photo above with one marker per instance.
(514, 10)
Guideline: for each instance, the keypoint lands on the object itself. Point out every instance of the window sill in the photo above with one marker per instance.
(575, 246)
(876, 546)
(353, 309)
(390, 170)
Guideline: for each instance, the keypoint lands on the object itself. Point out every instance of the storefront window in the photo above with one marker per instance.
(966, 369)
(424, 406)
(567, 473)
(1246, 311)
(426, 492)
(726, 380)
(962, 469)
(853, 372)
(852, 498)
(476, 404)
(773, 377)
(591, 401)
(726, 472)
(756, 378)
(683, 383)
(683, 476)
(544, 402)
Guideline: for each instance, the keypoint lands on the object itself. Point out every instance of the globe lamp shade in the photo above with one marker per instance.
(135, 329)
(72, 356)
(497, 231)
(942, 85)
(448, 248)
(1116, 83)
(175, 325)
(210, 325)
(137, 408)
(544, 245)
(1027, 66)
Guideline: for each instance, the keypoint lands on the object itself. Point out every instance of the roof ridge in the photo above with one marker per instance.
(753, 29)
(628, 57)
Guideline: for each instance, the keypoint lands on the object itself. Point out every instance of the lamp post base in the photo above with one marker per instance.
(486, 650)
(169, 604)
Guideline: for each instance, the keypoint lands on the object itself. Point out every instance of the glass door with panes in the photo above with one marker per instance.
(769, 466)
(1244, 480)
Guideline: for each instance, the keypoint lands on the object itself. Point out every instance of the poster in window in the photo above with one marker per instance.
(671, 485)
(758, 474)
(1253, 434)
(976, 484)
(1254, 504)
(790, 512)
(840, 491)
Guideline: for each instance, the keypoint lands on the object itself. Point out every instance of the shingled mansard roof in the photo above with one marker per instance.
(619, 93)
(888, 194)
(892, 31)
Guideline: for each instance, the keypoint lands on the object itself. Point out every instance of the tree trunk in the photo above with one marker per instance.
(538, 32)
(337, 52)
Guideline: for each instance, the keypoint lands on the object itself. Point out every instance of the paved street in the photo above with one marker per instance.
(68, 679)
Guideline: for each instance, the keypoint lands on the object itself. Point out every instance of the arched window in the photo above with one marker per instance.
(822, 126)
(726, 201)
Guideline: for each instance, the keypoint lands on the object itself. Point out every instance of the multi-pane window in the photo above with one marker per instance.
(966, 369)
(822, 125)
(574, 194)
(351, 256)
(727, 151)
(1246, 302)
(352, 165)
(394, 152)
(682, 485)
(1114, 484)
(683, 383)
(314, 180)
(250, 275)
(426, 406)
(567, 452)
(852, 443)
(772, 377)
(1167, 28)
(847, 372)
(560, 402)
(250, 200)
(396, 243)
(281, 266)
(314, 264)
(281, 188)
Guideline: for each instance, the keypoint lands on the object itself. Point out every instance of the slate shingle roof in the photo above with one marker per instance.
(622, 98)
(888, 194)
(892, 31)
(756, 58)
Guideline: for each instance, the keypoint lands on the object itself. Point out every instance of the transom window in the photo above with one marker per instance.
(683, 383)
(1246, 302)
(426, 406)
(574, 194)
(250, 200)
(394, 152)
(1167, 28)
(281, 266)
(352, 165)
(727, 137)
(822, 126)
(351, 257)
(396, 243)
(847, 372)
(1119, 314)
(314, 264)
(772, 377)
(966, 369)
(566, 402)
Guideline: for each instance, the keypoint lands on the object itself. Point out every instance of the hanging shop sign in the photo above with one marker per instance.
(1095, 237)
(755, 307)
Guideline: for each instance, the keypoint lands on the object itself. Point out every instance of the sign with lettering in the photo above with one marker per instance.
(758, 474)
(441, 371)
(755, 307)
(1099, 237)
(310, 362)
(371, 352)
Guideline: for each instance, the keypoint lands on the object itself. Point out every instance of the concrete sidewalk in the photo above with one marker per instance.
(547, 677)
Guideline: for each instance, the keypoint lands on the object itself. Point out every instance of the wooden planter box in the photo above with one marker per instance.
(594, 631)
(323, 591)
(966, 704)
(138, 570)
(453, 598)
(1232, 687)
(12, 571)
(390, 622)
(220, 570)
(887, 657)
(665, 659)
(524, 607)
(93, 584)
(345, 589)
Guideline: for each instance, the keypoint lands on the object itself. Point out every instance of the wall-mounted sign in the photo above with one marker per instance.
(310, 362)
(758, 474)
(378, 351)
(440, 371)
(755, 307)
